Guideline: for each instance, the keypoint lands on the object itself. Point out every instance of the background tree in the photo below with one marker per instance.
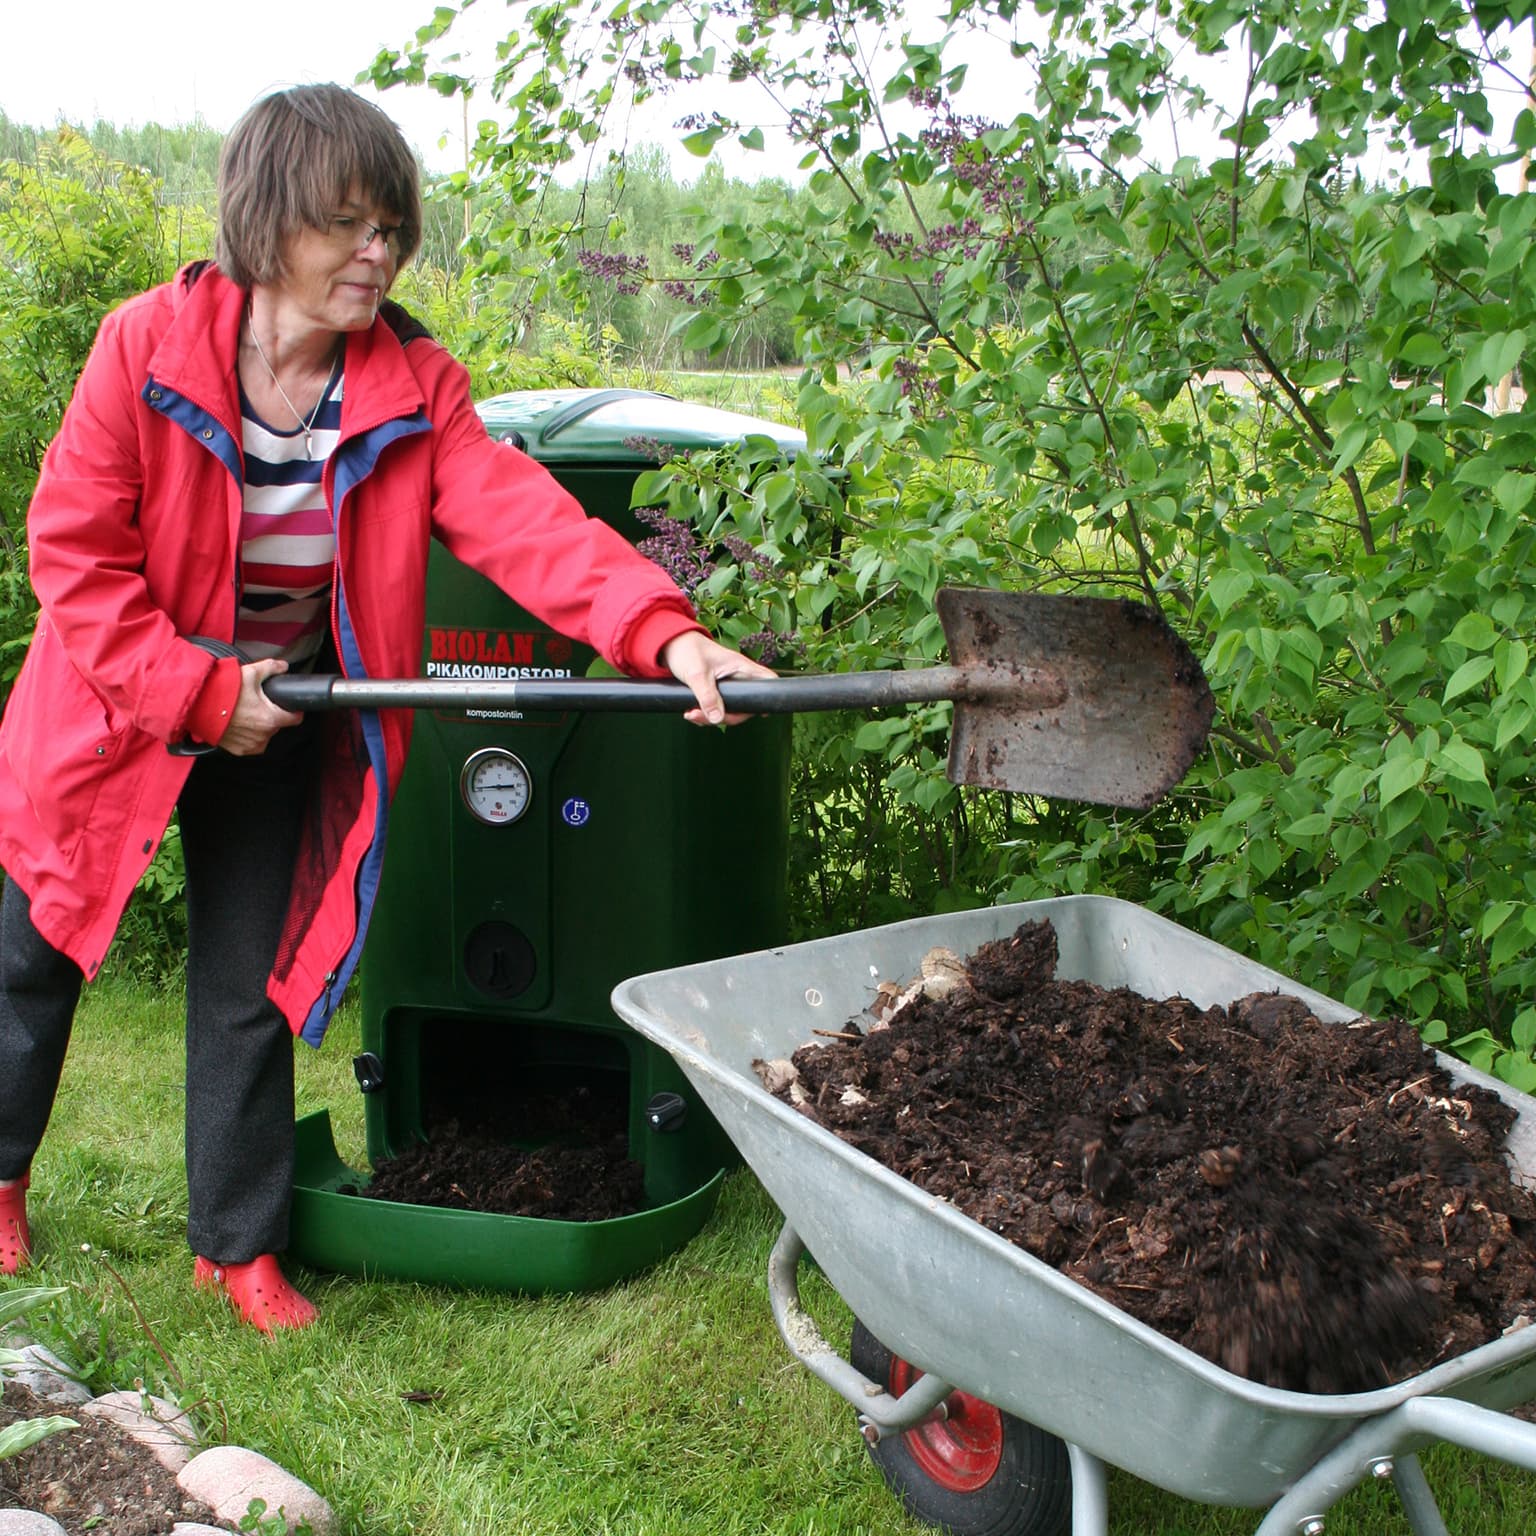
(79, 232)
(1017, 340)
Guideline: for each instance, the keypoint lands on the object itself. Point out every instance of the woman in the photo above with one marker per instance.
(258, 453)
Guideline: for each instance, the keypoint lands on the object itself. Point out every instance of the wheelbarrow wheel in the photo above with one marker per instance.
(977, 1472)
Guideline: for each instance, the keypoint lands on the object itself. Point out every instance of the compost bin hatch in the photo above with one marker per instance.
(533, 862)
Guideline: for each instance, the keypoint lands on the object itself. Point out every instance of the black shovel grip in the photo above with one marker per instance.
(300, 691)
(221, 649)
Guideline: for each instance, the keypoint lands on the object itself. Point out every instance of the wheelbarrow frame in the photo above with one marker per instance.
(1028, 1340)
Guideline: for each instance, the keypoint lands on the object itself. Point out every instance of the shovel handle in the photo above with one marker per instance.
(749, 696)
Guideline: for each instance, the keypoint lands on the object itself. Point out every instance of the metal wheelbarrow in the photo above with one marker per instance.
(995, 1393)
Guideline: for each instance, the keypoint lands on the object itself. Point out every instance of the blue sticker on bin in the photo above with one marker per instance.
(575, 812)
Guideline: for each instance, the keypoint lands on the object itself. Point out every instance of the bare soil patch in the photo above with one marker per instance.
(92, 1479)
(1312, 1206)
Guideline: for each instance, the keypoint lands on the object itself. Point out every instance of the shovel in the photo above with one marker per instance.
(1077, 698)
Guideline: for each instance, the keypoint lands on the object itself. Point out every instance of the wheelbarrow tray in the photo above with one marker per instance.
(984, 1315)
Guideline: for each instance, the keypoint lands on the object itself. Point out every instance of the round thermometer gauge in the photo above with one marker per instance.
(495, 785)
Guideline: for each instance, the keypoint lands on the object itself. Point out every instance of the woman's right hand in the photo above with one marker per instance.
(256, 719)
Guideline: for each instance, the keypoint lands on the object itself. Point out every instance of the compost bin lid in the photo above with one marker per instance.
(617, 425)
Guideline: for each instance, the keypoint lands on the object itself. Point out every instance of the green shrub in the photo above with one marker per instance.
(1244, 386)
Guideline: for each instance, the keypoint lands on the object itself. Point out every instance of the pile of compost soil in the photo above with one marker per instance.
(93, 1479)
(1312, 1206)
(463, 1171)
(481, 1161)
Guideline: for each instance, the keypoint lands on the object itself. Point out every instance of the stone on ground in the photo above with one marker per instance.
(159, 1426)
(227, 1477)
(44, 1375)
(22, 1522)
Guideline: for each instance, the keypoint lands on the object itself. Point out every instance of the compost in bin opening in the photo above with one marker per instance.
(559, 1152)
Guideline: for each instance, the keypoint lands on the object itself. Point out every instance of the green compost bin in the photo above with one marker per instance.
(535, 860)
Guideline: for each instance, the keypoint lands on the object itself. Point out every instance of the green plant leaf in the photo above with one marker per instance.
(1476, 631)
(24, 1433)
(1399, 775)
(16, 1303)
(1468, 675)
(1462, 761)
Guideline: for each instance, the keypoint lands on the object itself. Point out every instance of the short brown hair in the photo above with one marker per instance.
(292, 160)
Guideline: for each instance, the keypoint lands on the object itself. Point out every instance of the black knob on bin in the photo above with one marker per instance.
(369, 1072)
(666, 1112)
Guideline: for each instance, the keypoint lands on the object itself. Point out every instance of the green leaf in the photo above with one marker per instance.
(1264, 856)
(1418, 877)
(702, 332)
(1511, 658)
(1501, 354)
(1305, 827)
(1514, 722)
(650, 488)
(1348, 839)
(703, 141)
(1518, 1070)
(1513, 491)
(1351, 443)
(1227, 588)
(1243, 809)
(1462, 761)
(1494, 916)
(14, 1304)
(1523, 1032)
(876, 735)
(1511, 942)
(1399, 775)
(1325, 608)
(18, 1437)
(780, 491)
(1423, 351)
(1468, 675)
(1476, 631)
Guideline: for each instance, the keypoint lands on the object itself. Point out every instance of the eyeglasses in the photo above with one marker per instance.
(358, 234)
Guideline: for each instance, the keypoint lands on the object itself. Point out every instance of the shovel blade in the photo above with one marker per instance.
(1129, 713)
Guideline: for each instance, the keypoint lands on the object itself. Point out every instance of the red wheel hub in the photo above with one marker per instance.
(960, 1452)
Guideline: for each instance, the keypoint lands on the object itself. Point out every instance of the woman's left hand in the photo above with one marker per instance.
(700, 662)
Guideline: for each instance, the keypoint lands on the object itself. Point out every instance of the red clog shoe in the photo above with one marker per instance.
(15, 1239)
(258, 1291)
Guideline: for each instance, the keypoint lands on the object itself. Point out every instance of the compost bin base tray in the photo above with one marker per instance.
(382, 1239)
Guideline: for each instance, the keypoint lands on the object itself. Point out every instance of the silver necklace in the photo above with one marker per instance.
(306, 424)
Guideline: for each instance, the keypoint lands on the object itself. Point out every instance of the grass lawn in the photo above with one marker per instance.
(769, 394)
(666, 1406)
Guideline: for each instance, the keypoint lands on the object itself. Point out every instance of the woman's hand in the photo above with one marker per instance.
(700, 662)
(256, 719)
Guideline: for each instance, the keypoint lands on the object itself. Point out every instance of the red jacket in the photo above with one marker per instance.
(133, 535)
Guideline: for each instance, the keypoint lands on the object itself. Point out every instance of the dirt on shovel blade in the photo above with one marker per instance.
(1312, 1206)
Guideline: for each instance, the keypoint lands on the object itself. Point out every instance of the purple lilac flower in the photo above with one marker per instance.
(624, 272)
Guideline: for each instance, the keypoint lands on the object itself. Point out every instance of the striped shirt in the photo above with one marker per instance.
(287, 535)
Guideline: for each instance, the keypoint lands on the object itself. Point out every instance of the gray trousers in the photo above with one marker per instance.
(240, 823)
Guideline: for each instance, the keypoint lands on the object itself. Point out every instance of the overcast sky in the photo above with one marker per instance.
(135, 63)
